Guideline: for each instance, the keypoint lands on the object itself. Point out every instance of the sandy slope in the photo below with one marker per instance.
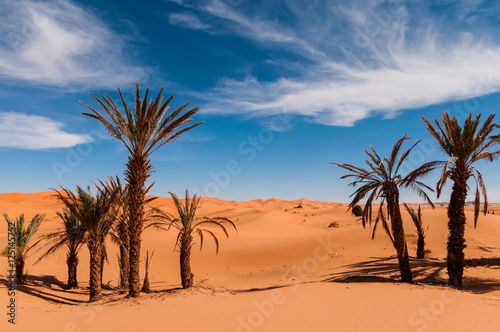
(284, 270)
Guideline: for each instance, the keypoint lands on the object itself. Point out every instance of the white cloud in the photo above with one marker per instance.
(58, 43)
(187, 20)
(32, 132)
(382, 58)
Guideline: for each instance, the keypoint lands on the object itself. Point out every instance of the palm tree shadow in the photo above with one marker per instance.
(386, 269)
(428, 270)
(482, 285)
(47, 281)
(35, 291)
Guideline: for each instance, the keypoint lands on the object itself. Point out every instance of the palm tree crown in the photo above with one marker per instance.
(187, 224)
(465, 146)
(148, 126)
(381, 181)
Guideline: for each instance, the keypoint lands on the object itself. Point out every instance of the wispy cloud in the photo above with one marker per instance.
(32, 132)
(363, 58)
(58, 43)
(187, 20)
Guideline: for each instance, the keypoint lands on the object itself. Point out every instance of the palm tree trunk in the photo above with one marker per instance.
(456, 238)
(102, 268)
(399, 236)
(124, 267)
(20, 277)
(72, 262)
(124, 257)
(420, 246)
(185, 261)
(95, 249)
(138, 170)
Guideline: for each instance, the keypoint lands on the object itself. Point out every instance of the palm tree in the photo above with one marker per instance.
(145, 286)
(142, 130)
(22, 238)
(188, 227)
(96, 214)
(464, 146)
(71, 236)
(382, 182)
(416, 217)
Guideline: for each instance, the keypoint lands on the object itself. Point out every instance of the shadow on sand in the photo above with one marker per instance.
(427, 271)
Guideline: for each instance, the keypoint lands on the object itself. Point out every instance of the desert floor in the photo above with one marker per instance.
(285, 270)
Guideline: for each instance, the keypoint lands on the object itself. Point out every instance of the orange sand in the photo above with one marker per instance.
(285, 270)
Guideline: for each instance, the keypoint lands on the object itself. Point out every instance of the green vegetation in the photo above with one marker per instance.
(417, 221)
(73, 237)
(96, 213)
(357, 211)
(22, 237)
(142, 131)
(189, 226)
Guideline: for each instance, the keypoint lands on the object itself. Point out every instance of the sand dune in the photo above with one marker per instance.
(284, 270)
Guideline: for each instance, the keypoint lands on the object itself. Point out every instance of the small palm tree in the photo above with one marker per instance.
(71, 236)
(96, 214)
(142, 131)
(464, 146)
(22, 238)
(121, 226)
(145, 285)
(417, 220)
(189, 226)
(382, 182)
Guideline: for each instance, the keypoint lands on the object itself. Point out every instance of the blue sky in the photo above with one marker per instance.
(284, 87)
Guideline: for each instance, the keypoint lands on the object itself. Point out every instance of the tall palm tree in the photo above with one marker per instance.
(464, 146)
(71, 236)
(188, 226)
(96, 214)
(382, 182)
(142, 130)
(416, 217)
(22, 237)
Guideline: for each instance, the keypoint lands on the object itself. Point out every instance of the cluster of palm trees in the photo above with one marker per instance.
(121, 211)
(464, 146)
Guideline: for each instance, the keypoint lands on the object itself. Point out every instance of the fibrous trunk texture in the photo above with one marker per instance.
(399, 235)
(95, 250)
(72, 262)
(456, 238)
(185, 261)
(420, 246)
(20, 277)
(102, 267)
(124, 257)
(138, 171)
